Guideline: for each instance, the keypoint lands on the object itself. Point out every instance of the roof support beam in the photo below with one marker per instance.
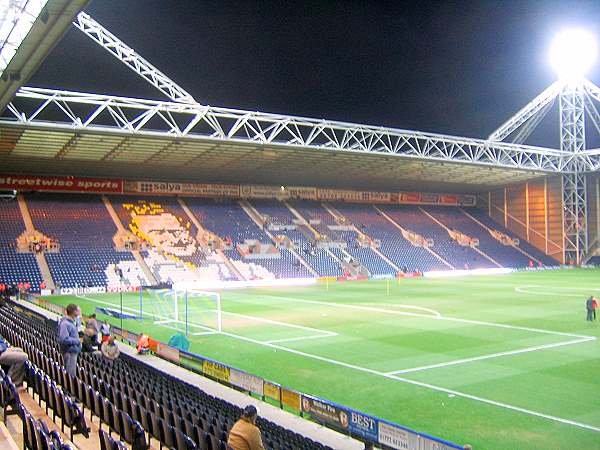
(131, 59)
(527, 112)
(173, 119)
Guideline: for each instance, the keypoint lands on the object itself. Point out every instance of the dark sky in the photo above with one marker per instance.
(459, 68)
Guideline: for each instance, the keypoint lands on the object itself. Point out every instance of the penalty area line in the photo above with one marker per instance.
(492, 355)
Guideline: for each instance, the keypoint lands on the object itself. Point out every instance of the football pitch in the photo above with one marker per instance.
(500, 362)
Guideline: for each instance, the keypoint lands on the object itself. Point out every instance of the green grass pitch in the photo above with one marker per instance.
(502, 362)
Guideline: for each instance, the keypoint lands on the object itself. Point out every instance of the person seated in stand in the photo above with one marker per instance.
(104, 332)
(89, 341)
(245, 435)
(109, 349)
(143, 344)
(14, 358)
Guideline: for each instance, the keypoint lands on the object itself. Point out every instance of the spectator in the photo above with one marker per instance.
(104, 331)
(245, 435)
(109, 349)
(89, 341)
(589, 308)
(143, 344)
(68, 339)
(15, 359)
(92, 328)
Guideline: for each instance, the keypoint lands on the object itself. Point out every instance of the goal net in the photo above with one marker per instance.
(191, 311)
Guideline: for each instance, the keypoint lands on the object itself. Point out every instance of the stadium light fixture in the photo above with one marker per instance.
(573, 53)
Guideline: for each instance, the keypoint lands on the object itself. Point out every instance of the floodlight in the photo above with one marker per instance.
(573, 53)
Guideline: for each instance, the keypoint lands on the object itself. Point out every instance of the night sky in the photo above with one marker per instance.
(458, 68)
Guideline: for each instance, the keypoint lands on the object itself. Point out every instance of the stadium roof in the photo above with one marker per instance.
(38, 150)
(46, 131)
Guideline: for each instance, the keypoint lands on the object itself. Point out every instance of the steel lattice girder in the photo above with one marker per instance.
(534, 107)
(131, 59)
(174, 119)
(575, 217)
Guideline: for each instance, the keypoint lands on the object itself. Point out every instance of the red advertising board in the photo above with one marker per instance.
(60, 184)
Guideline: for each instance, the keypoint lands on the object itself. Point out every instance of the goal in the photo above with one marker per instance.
(191, 311)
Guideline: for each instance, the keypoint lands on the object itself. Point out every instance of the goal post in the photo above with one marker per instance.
(189, 310)
(204, 307)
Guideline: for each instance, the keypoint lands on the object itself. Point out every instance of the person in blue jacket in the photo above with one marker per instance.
(68, 339)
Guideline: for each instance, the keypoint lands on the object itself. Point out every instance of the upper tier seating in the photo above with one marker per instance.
(393, 245)
(15, 267)
(84, 229)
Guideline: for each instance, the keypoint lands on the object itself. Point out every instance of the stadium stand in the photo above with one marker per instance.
(15, 267)
(594, 260)
(277, 214)
(413, 218)
(227, 219)
(84, 230)
(129, 398)
(312, 210)
(398, 249)
(175, 249)
(455, 219)
(523, 244)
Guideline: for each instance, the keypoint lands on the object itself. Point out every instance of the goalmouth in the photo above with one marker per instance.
(185, 309)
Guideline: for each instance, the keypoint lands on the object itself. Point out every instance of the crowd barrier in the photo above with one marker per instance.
(332, 415)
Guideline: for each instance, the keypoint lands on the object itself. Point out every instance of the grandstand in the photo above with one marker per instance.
(363, 285)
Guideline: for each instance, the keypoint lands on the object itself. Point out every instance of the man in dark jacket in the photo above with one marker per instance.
(15, 359)
(68, 339)
(589, 306)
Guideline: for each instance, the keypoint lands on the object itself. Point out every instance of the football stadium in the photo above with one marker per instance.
(323, 284)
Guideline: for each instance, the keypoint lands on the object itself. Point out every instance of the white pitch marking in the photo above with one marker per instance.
(406, 380)
(524, 290)
(420, 384)
(202, 333)
(301, 338)
(420, 308)
(492, 355)
(427, 316)
(285, 324)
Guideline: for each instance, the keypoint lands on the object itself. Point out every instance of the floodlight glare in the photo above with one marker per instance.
(573, 53)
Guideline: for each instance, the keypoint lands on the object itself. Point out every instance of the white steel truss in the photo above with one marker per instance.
(572, 140)
(131, 59)
(528, 112)
(74, 110)
(575, 234)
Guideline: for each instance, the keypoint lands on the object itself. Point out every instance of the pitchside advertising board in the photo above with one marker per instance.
(22, 183)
